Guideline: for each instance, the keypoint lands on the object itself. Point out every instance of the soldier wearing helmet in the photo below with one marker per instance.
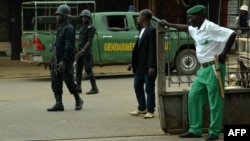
(63, 10)
(84, 55)
(87, 13)
(63, 59)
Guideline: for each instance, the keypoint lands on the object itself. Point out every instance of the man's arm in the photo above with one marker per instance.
(88, 44)
(229, 44)
(152, 53)
(181, 27)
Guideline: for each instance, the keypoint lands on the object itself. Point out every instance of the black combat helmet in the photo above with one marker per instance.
(63, 10)
(86, 12)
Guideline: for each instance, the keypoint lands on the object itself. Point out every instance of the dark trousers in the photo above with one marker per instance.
(67, 76)
(84, 62)
(145, 102)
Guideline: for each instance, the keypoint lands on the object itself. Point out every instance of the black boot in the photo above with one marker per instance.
(79, 102)
(94, 89)
(58, 106)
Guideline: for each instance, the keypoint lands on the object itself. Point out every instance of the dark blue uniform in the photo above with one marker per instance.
(87, 33)
(65, 43)
(63, 59)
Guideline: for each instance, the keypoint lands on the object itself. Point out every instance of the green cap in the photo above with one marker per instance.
(196, 9)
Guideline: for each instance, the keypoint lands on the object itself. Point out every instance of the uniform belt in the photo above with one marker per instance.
(207, 64)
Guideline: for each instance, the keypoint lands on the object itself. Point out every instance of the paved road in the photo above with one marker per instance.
(26, 94)
(23, 104)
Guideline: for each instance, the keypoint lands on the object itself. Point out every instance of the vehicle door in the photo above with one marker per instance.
(116, 37)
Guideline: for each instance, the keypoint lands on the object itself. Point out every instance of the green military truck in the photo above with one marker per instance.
(114, 40)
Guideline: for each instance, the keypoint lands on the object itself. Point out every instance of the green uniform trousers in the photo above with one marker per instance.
(206, 87)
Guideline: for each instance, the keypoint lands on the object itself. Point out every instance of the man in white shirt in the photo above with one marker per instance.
(210, 39)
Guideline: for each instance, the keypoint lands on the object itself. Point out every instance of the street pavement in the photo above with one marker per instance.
(104, 117)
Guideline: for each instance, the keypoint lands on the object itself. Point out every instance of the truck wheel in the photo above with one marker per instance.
(186, 62)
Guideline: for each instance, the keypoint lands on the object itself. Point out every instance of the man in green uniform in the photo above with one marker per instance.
(210, 39)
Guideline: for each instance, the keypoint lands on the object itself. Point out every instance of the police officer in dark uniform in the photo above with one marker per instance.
(84, 55)
(63, 59)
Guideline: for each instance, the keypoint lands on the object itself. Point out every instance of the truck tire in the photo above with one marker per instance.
(186, 62)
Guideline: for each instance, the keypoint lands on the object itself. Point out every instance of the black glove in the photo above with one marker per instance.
(61, 67)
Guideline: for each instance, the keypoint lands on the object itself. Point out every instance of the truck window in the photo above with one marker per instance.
(117, 23)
